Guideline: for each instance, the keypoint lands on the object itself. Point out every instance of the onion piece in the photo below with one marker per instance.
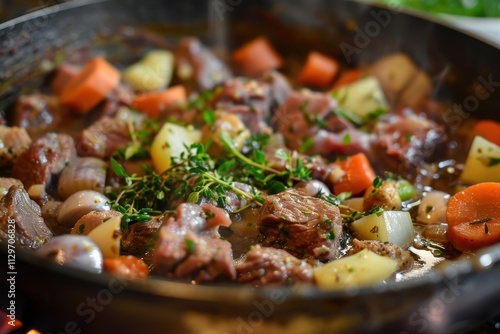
(82, 174)
(432, 208)
(79, 204)
(392, 226)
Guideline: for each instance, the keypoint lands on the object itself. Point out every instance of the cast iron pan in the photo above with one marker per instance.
(456, 297)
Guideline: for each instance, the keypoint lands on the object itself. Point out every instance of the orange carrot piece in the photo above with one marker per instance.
(358, 174)
(64, 74)
(97, 79)
(257, 57)
(126, 266)
(154, 103)
(348, 77)
(489, 130)
(318, 70)
(473, 217)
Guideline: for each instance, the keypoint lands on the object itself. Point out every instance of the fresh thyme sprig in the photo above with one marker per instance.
(195, 175)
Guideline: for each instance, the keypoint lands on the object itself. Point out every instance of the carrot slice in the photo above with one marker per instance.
(257, 57)
(473, 217)
(358, 174)
(318, 70)
(348, 77)
(97, 79)
(155, 102)
(489, 130)
(126, 266)
(64, 74)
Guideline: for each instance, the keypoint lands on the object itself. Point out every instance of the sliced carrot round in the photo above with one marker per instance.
(97, 79)
(154, 103)
(489, 130)
(473, 217)
(257, 57)
(318, 70)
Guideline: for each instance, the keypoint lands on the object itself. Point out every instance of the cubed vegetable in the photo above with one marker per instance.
(151, 73)
(483, 162)
(171, 141)
(107, 237)
(361, 269)
(393, 226)
(364, 98)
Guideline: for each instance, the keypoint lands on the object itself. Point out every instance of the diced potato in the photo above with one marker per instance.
(354, 203)
(108, 236)
(151, 73)
(171, 141)
(363, 97)
(483, 162)
(361, 269)
(393, 226)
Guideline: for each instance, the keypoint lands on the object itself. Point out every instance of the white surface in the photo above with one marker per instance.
(488, 28)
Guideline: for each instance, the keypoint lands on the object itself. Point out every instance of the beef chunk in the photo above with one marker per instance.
(189, 245)
(410, 138)
(103, 138)
(316, 164)
(404, 258)
(280, 87)
(197, 67)
(47, 156)
(309, 124)
(249, 99)
(138, 239)
(38, 114)
(303, 225)
(13, 142)
(30, 229)
(120, 97)
(265, 265)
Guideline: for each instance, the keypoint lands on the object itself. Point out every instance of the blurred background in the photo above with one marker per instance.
(481, 17)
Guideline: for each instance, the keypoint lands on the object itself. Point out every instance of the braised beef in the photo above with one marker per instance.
(103, 138)
(249, 99)
(411, 138)
(308, 123)
(198, 67)
(50, 154)
(29, 227)
(189, 245)
(404, 258)
(280, 87)
(303, 225)
(264, 265)
(121, 96)
(38, 114)
(139, 238)
(14, 141)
